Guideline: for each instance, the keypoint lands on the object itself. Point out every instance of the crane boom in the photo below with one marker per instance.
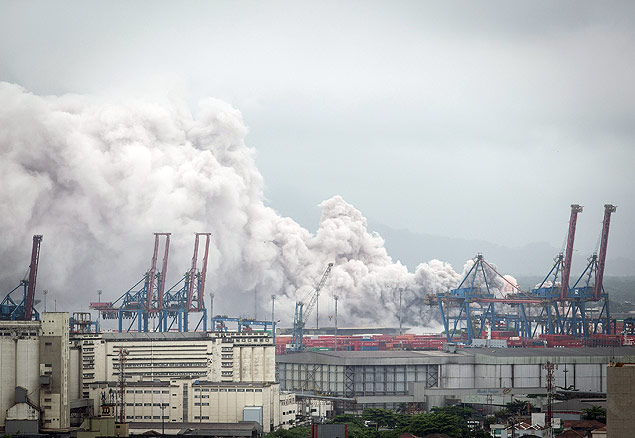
(599, 276)
(316, 292)
(566, 271)
(153, 304)
(30, 293)
(301, 316)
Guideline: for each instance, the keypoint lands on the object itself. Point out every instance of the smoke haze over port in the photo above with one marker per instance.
(479, 123)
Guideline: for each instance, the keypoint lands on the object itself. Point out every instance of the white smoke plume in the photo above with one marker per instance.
(97, 177)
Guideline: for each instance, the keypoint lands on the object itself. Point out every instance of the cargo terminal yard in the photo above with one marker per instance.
(171, 363)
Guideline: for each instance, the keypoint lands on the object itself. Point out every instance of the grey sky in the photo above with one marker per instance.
(481, 120)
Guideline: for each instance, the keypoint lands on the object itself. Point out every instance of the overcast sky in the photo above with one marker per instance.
(480, 120)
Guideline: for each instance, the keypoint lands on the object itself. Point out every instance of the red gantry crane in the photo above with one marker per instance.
(24, 310)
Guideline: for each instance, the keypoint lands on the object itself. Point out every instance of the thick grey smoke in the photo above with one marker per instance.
(97, 177)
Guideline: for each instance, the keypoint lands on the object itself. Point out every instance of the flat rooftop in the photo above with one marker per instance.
(463, 355)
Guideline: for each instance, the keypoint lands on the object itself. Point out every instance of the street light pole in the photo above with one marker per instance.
(273, 308)
(45, 292)
(99, 292)
(336, 298)
(211, 309)
(400, 328)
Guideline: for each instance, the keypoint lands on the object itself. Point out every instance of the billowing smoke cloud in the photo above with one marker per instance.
(97, 177)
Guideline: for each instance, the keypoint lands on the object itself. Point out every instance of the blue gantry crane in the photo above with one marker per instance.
(147, 300)
(472, 306)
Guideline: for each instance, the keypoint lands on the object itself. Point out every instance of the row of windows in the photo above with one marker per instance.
(225, 390)
(147, 391)
(166, 364)
(146, 417)
(146, 404)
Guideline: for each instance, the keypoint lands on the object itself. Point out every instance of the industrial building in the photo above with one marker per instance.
(34, 374)
(484, 376)
(51, 381)
(181, 377)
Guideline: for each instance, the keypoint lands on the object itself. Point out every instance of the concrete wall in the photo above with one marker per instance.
(620, 409)
(54, 362)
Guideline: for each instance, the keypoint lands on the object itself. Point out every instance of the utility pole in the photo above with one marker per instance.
(549, 367)
(45, 292)
(273, 308)
(162, 419)
(400, 329)
(122, 384)
(335, 298)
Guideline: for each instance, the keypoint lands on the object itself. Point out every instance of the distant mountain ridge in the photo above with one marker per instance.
(533, 259)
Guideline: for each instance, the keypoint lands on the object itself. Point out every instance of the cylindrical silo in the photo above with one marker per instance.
(236, 364)
(245, 364)
(7, 376)
(269, 364)
(27, 366)
(258, 361)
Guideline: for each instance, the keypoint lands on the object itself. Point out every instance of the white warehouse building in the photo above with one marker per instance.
(190, 377)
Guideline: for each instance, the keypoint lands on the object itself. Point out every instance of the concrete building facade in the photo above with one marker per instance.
(191, 377)
(34, 355)
(620, 409)
(481, 376)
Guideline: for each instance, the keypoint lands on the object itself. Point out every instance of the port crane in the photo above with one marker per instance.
(589, 287)
(302, 314)
(188, 294)
(473, 306)
(554, 288)
(564, 310)
(147, 299)
(23, 309)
